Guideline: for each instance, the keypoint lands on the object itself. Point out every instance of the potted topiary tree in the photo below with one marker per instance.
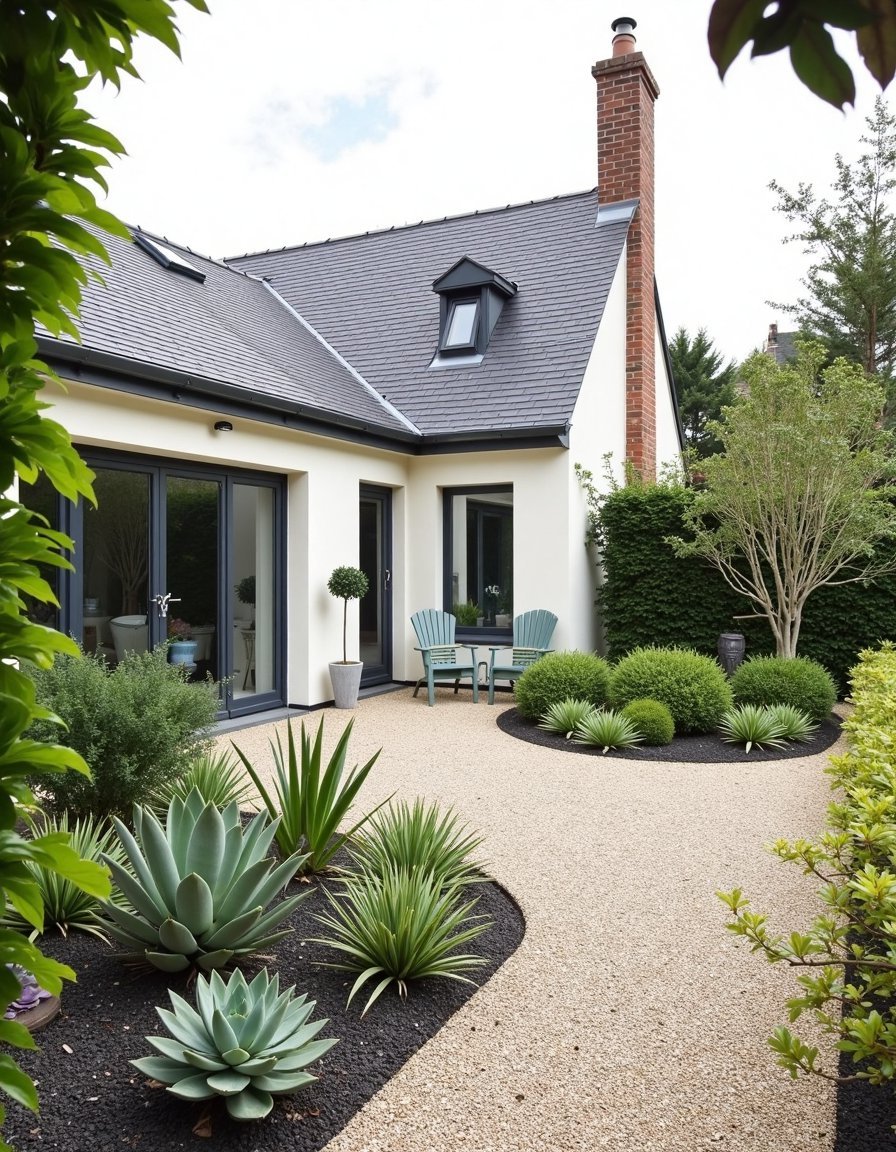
(346, 584)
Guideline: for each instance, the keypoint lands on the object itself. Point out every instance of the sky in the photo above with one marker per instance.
(290, 121)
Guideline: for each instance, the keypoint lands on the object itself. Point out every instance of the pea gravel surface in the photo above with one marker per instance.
(628, 1018)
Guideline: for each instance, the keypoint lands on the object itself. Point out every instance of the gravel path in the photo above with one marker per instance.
(628, 1019)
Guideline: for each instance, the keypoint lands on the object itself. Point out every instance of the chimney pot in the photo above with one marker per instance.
(624, 40)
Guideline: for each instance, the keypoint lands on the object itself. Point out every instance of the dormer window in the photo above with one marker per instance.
(472, 297)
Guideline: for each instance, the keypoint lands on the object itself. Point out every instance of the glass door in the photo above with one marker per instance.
(375, 613)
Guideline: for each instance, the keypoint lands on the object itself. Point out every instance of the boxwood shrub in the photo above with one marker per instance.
(562, 676)
(693, 687)
(652, 719)
(797, 680)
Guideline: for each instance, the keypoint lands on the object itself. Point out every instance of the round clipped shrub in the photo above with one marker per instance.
(794, 680)
(693, 687)
(652, 719)
(560, 676)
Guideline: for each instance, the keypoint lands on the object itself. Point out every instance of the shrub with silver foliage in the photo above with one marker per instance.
(245, 1042)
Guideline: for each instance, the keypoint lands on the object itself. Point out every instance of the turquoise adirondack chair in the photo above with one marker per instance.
(532, 632)
(442, 658)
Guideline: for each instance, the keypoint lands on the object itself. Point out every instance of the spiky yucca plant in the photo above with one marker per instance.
(219, 778)
(751, 724)
(607, 729)
(565, 716)
(794, 723)
(400, 926)
(419, 837)
(66, 906)
(245, 1042)
(199, 886)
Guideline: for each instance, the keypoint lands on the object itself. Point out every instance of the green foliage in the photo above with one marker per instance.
(850, 301)
(704, 385)
(67, 906)
(247, 1043)
(648, 592)
(803, 29)
(400, 926)
(467, 614)
(308, 804)
(800, 496)
(751, 724)
(607, 729)
(138, 725)
(245, 590)
(197, 887)
(845, 960)
(794, 724)
(560, 676)
(693, 687)
(565, 716)
(51, 153)
(652, 719)
(776, 680)
(216, 776)
(347, 584)
(419, 837)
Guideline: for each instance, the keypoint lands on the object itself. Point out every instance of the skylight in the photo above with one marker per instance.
(168, 257)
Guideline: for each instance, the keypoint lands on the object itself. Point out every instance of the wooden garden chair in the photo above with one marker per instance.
(532, 632)
(443, 660)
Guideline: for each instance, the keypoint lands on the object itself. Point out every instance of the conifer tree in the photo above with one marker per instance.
(703, 385)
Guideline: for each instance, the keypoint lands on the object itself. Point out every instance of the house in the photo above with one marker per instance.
(410, 401)
(780, 345)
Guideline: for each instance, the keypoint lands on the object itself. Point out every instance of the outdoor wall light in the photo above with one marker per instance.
(223, 426)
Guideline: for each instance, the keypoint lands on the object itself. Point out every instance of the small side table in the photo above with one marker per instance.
(248, 635)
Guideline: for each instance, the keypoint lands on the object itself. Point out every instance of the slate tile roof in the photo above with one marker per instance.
(230, 330)
(371, 298)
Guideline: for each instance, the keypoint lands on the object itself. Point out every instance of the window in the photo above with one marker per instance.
(479, 556)
(461, 327)
(168, 257)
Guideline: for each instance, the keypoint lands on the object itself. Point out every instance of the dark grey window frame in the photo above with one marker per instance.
(466, 633)
(472, 345)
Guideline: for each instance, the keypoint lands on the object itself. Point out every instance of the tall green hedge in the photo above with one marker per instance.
(649, 596)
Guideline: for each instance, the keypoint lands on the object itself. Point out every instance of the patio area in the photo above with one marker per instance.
(629, 1018)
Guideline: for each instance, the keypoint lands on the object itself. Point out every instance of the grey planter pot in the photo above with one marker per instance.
(346, 680)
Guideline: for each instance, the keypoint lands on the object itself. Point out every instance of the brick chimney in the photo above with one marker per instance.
(626, 92)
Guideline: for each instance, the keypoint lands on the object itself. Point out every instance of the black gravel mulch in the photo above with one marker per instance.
(707, 748)
(92, 1100)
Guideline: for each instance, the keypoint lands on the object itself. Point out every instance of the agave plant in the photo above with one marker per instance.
(247, 1043)
(218, 776)
(751, 724)
(793, 722)
(566, 715)
(400, 926)
(607, 729)
(421, 837)
(310, 805)
(198, 886)
(67, 907)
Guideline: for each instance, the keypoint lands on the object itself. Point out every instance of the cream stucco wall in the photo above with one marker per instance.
(668, 445)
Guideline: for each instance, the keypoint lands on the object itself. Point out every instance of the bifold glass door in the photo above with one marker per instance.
(172, 552)
(375, 611)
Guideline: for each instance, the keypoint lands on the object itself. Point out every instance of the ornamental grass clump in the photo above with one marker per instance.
(421, 837)
(796, 680)
(218, 778)
(751, 726)
(607, 729)
(566, 716)
(245, 1042)
(652, 719)
(560, 676)
(794, 724)
(693, 687)
(198, 887)
(400, 926)
(309, 804)
(67, 906)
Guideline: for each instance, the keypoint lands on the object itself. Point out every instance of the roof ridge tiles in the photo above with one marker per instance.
(419, 224)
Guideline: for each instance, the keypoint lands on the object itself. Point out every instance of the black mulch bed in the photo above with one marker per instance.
(703, 749)
(865, 1115)
(92, 1099)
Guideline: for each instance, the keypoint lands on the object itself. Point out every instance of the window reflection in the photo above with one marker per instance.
(481, 560)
